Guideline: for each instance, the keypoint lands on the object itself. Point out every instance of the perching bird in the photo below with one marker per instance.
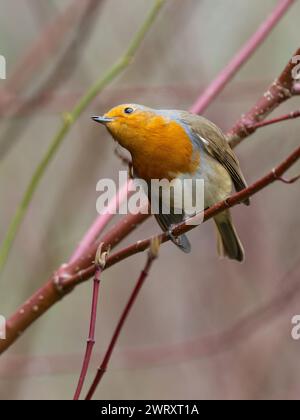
(172, 144)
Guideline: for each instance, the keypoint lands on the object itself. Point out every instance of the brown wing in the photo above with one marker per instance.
(215, 143)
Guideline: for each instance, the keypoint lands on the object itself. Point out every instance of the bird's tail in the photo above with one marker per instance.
(166, 221)
(228, 243)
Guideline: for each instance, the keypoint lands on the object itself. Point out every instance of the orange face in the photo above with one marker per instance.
(128, 125)
(159, 145)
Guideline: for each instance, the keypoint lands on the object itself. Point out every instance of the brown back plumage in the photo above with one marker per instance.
(215, 143)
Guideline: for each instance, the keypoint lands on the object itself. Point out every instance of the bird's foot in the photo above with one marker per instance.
(171, 236)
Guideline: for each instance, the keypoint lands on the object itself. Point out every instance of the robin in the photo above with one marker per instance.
(176, 145)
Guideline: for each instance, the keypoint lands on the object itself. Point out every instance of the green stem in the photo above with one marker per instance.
(69, 120)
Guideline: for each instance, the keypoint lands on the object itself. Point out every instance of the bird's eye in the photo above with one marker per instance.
(128, 110)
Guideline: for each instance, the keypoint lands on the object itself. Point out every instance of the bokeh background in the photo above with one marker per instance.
(178, 342)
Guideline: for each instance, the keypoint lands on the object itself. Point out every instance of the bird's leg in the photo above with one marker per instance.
(171, 236)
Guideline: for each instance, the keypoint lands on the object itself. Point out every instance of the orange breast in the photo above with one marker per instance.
(162, 149)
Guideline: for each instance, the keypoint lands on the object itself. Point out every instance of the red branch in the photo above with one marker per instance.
(279, 91)
(152, 255)
(198, 347)
(91, 339)
(100, 261)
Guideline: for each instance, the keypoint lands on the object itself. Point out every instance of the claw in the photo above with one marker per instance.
(171, 235)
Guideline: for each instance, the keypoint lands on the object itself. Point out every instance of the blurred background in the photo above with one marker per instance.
(178, 342)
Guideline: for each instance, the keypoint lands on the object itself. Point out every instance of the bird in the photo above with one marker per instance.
(176, 145)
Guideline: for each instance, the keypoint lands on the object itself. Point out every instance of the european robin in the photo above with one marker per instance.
(172, 144)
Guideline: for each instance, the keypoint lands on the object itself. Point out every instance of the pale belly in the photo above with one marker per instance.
(189, 194)
(217, 181)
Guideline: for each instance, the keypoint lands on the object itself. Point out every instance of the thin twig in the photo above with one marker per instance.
(100, 260)
(152, 255)
(289, 116)
(288, 181)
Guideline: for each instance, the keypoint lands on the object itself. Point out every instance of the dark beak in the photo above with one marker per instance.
(102, 120)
